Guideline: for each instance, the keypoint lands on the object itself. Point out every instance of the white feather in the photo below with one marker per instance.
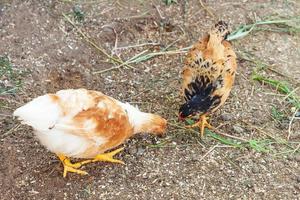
(61, 142)
(41, 113)
(136, 117)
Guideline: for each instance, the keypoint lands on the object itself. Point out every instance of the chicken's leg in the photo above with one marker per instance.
(71, 167)
(202, 123)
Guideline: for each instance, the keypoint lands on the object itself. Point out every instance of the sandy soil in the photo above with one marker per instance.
(51, 55)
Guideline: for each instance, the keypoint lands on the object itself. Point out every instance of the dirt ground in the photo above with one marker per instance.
(50, 54)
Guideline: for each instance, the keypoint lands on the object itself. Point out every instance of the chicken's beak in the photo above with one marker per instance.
(180, 118)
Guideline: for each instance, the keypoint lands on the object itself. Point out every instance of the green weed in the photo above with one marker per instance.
(169, 2)
(291, 25)
(281, 87)
(223, 140)
(10, 80)
(78, 14)
(277, 115)
(257, 145)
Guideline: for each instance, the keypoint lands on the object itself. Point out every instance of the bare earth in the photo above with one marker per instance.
(52, 55)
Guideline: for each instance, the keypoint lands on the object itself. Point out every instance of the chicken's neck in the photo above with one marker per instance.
(216, 47)
(139, 120)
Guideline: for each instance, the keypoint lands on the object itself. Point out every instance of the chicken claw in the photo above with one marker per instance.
(108, 157)
(202, 123)
(71, 167)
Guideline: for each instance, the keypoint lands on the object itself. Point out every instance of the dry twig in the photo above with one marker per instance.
(207, 9)
(10, 130)
(87, 39)
(208, 152)
(290, 124)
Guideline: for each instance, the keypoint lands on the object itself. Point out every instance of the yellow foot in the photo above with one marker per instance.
(202, 123)
(108, 157)
(71, 167)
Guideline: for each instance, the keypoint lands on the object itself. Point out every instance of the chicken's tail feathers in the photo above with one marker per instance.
(41, 113)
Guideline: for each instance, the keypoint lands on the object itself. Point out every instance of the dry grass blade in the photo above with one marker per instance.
(10, 130)
(139, 45)
(207, 9)
(296, 149)
(87, 39)
(208, 152)
(230, 136)
(143, 56)
(117, 67)
(290, 124)
(151, 55)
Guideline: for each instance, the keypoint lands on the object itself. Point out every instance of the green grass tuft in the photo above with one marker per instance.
(223, 140)
(10, 80)
(260, 145)
(257, 145)
(277, 115)
(78, 14)
(169, 2)
(281, 87)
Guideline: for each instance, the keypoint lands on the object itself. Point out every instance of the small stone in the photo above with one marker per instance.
(258, 189)
(226, 117)
(132, 150)
(249, 184)
(298, 179)
(255, 170)
(297, 158)
(140, 151)
(238, 129)
(290, 157)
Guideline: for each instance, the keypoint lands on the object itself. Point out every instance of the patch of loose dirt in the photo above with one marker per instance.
(40, 42)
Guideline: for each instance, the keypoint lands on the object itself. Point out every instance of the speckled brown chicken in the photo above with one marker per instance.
(208, 75)
(84, 124)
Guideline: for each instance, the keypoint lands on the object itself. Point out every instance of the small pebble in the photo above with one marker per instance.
(226, 117)
(255, 170)
(140, 151)
(249, 184)
(238, 129)
(132, 151)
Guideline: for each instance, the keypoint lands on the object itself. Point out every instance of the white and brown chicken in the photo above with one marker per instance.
(81, 123)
